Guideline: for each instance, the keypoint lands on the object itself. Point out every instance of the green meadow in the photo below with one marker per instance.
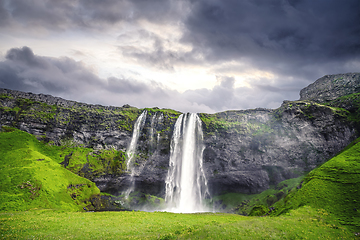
(302, 223)
(40, 199)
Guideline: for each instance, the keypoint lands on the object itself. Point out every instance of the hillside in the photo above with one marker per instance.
(32, 179)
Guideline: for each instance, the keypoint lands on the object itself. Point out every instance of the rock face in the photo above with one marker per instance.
(331, 87)
(245, 151)
(264, 147)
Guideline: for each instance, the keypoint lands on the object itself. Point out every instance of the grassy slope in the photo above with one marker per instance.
(31, 179)
(302, 223)
(334, 186)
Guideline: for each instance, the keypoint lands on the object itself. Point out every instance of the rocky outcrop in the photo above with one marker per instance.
(331, 87)
(245, 151)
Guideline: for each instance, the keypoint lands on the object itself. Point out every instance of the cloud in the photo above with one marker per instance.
(281, 36)
(25, 56)
(62, 15)
(153, 55)
(25, 71)
(4, 15)
(262, 51)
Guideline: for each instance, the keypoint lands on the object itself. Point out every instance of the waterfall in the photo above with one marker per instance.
(152, 125)
(131, 151)
(186, 185)
(159, 121)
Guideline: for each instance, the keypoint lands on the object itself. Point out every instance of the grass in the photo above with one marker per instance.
(30, 179)
(303, 223)
(232, 121)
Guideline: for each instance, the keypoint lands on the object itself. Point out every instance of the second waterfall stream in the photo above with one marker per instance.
(131, 151)
(186, 184)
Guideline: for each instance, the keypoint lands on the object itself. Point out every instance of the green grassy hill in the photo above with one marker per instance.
(30, 178)
(334, 186)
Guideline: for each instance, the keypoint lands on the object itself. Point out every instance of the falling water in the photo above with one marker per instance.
(159, 121)
(186, 185)
(152, 129)
(131, 151)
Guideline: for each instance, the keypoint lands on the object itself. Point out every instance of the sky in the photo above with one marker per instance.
(188, 55)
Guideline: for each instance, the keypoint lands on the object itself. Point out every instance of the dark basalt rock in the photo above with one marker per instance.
(331, 87)
(65, 163)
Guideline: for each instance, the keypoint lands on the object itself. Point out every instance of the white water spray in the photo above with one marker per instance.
(152, 126)
(131, 151)
(186, 184)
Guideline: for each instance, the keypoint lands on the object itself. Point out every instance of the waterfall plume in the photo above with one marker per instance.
(186, 184)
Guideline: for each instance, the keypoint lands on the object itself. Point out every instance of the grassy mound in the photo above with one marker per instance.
(31, 179)
(334, 186)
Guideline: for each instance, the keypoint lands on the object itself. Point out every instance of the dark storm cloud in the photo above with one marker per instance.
(279, 35)
(4, 15)
(266, 33)
(156, 55)
(26, 56)
(23, 70)
(60, 14)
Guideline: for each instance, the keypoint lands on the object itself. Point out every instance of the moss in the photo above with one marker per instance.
(87, 162)
(351, 103)
(167, 112)
(5, 96)
(7, 129)
(259, 210)
(213, 123)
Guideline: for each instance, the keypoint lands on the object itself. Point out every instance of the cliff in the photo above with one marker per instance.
(245, 151)
(331, 87)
